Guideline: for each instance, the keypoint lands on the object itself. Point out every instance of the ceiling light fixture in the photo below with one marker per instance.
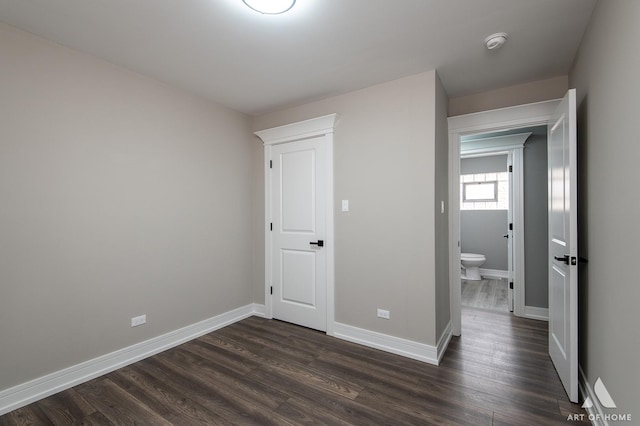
(270, 7)
(495, 41)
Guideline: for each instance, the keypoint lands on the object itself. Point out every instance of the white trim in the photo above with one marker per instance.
(496, 143)
(392, 344)
(258, 310)
(494, 273)
(320, 126)
(500, 119)
(595, 413)
(267, 232)
(517, 234)
(297, 131)
(515, 117)
(536, 313)
(515, 160)
(443, 342)
(36, 389)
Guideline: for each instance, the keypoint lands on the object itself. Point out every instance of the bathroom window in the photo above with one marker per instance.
(480, 191)
(484, 191)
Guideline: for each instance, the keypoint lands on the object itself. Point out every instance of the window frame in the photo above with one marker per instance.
(478, 200)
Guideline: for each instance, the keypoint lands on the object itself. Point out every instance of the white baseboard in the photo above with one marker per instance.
(392, 344)
(493, 273)
(533, 312)
(258, 310)
(595, 412)
(34, 390)
(443, 342)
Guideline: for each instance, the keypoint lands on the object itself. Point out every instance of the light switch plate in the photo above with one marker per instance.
(345, 205)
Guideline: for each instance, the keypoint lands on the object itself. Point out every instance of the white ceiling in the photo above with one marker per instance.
(256, 63)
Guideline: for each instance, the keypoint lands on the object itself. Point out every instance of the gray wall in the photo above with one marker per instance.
(526, 93)
(385, 154)
(605, 74)
(120, 197)
(443, 312)
(482, 231)
(488, 164)
(536, 246)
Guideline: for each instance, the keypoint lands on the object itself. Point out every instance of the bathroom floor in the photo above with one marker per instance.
(485, 294)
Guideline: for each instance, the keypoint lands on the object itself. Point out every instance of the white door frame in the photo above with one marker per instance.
(528, 115)
(315, 127)
(511, 146)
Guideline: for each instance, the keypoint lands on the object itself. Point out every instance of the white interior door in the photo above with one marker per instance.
(563, 247)
(299, 256)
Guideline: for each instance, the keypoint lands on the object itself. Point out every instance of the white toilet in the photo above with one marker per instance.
(470, 263)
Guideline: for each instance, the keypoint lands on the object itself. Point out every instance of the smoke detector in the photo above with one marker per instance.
(495, 41)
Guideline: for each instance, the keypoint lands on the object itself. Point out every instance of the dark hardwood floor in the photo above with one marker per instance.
(266, 372)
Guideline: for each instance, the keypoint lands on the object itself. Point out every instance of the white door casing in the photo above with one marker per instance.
(563, 244)
(509, 232)
(299, 276)
(528, 115)
(511, 146)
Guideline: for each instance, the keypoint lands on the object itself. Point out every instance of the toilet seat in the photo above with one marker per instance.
(472, 256)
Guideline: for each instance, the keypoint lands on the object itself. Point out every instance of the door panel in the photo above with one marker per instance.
(298, 267)
(299, 219)
(563, 247)
(298, 191)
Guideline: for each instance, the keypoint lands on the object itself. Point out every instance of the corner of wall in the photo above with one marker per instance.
(441, 223)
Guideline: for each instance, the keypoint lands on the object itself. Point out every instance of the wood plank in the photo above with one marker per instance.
(116, 404)
(162, 398)
(67, 407)
(29, 415)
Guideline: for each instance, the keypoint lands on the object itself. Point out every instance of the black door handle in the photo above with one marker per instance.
(320, 243)
(564, 258)
(506, 235)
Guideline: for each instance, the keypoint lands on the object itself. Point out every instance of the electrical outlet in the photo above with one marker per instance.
(383, 314)
(136, 321)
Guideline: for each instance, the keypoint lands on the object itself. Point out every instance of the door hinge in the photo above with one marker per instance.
(271, 226)
(271, 289)
(271, 164)
(511, 285)
(511, 227)
(511, 169)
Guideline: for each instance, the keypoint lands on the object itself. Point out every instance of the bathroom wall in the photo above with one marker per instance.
(481, 231)
(536, 245)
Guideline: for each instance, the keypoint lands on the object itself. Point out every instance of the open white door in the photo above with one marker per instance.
(563, 244)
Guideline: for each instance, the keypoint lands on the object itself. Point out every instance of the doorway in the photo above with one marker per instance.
(508, 231)
(496, 122)
(485, 240)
